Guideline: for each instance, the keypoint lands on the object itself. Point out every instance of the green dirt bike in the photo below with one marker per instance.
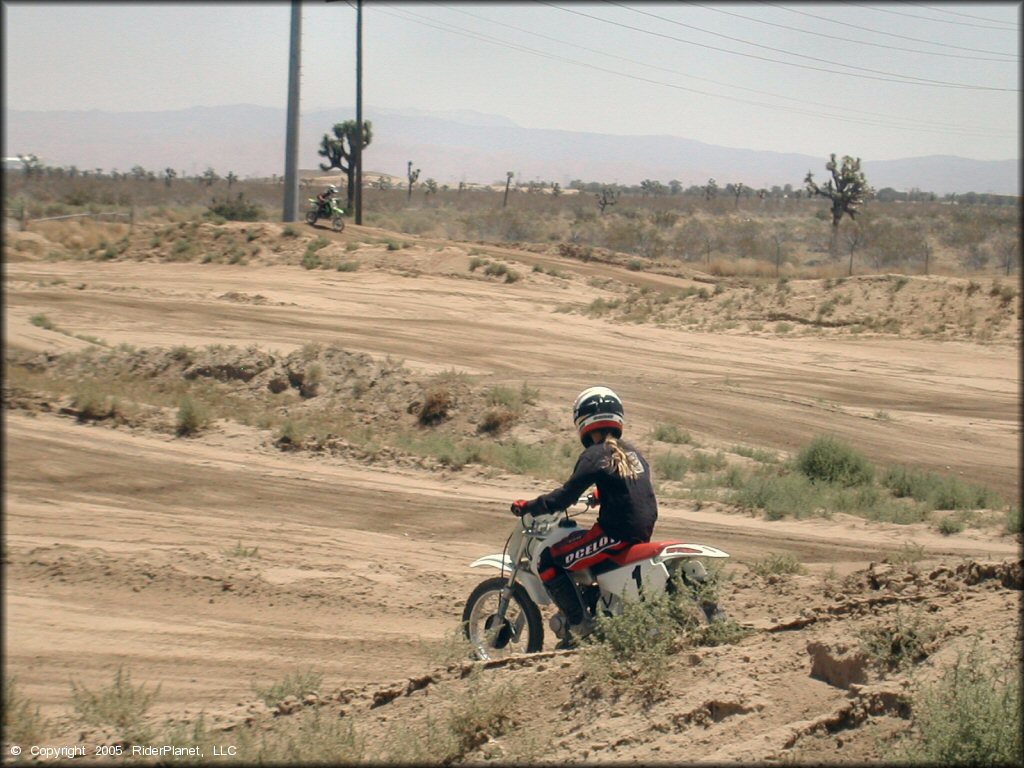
(319, 210)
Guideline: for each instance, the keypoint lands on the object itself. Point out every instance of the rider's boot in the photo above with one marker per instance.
(567, 597)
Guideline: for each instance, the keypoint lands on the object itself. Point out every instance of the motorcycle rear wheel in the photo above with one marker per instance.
(710, 611)
(522, 630)
(311, 217)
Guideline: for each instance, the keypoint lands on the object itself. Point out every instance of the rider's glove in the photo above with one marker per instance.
(519, 507)
(593, 499)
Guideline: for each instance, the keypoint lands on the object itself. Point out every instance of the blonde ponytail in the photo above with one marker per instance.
(621, 462)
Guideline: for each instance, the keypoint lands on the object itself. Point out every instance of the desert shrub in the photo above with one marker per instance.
(42, 321)
(297, 684)
(671, 433)
(901, 642)
(830, 460)
(121, 704)
(291, 433)
(310, 738)
(708, 462)
(757, 454)
(938, 491)
(630, 652)
(950, 525)
(601, 306)
(512, 399)
(22, 721)
(777, 565)
(972, 716)
(192, 416)
(93, 402)
(311, 260)
(501, 270)
(778, 494)
(482, 713)
(496, 420)
(1013, 519)
(239, 550)
(238, 209)
(436, 405)
(671, 466)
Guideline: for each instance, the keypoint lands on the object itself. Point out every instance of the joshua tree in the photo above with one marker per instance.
(431, 186)
(652, 187)
(413, 175)
(209, 177)
(31, 165)
(847, 190)
(231, 178)
(556, 189)
(711, 190)
(737, 191)
(607, 197)
(508, 180)
(339, 152)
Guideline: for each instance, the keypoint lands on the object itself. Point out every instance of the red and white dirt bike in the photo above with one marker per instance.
(502, 615)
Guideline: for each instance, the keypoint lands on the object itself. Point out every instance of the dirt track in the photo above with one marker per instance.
(119, 541)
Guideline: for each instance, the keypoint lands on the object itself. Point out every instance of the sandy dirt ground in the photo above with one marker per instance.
(127, 546)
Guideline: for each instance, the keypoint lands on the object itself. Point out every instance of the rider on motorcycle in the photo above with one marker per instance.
(628, 507)
(324, 200)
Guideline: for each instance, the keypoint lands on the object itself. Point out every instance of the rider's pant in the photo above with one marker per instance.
(582, 549)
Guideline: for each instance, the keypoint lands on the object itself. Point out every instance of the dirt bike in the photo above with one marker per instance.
(334, 213)
(502, 615)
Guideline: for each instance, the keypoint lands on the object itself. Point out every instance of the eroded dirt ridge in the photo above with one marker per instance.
(359, 450)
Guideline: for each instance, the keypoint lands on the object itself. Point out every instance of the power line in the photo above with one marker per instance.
(848, 40)
(878, 31)
(927, 18)
(907, 79)
(845, 117)
(952, 13)
(607, 54)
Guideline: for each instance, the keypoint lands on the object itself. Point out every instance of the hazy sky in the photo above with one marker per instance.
(878, 81)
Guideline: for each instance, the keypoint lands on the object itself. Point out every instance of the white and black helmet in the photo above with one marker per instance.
(597, 408)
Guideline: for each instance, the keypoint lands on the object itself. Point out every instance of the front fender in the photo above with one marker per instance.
(493, 561)
(533, 585)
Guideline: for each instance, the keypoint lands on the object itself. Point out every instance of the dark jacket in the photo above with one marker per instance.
(628, 507)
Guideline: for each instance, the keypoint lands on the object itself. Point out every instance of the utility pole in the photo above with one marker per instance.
(359, 112)
(291, 152)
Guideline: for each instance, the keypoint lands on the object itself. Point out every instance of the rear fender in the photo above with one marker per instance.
(676, 551)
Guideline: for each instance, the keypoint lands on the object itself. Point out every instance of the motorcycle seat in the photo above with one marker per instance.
(647, 550)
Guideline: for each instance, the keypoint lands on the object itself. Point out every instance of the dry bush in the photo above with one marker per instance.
(435, 407)
(496, 420)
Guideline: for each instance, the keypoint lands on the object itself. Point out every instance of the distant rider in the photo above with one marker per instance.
(628, 507)
(324, 200)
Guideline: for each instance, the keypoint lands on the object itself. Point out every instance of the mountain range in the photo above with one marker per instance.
(449, 147)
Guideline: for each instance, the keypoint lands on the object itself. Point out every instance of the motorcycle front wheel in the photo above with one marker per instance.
(338, 223)
(311, 217)
(520, 631)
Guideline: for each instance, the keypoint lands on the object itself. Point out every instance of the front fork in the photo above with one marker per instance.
(504, 599)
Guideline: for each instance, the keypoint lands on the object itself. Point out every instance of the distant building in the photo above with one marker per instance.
(13, 164)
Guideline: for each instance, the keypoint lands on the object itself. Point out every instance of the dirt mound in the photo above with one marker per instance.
(252, 464)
